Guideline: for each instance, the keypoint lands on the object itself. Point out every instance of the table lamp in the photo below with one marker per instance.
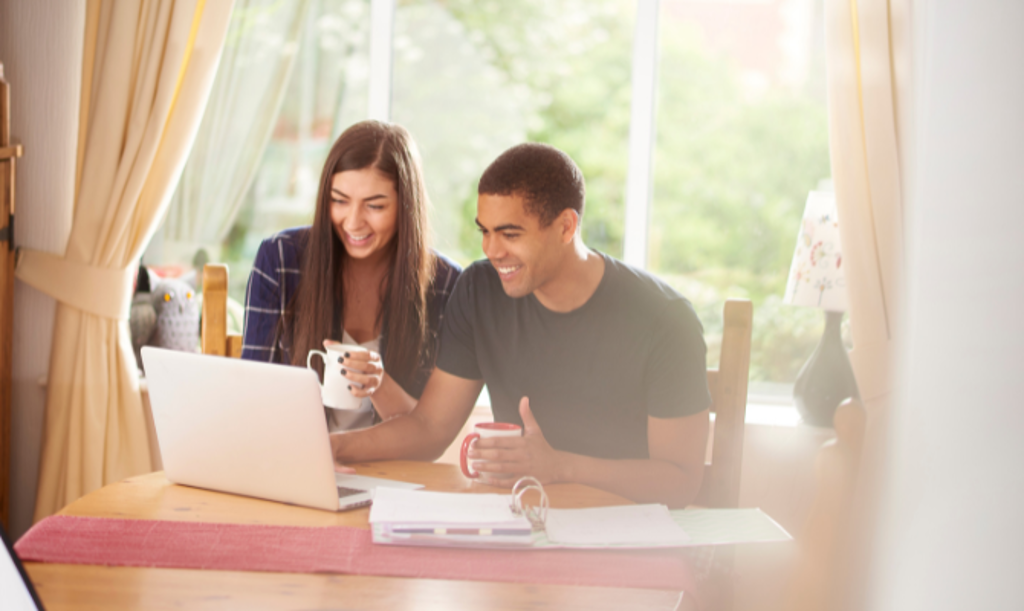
(816, 280)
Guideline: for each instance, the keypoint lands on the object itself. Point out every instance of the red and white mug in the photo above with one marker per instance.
(485, 430)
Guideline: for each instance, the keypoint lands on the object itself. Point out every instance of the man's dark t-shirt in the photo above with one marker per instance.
(634, 349)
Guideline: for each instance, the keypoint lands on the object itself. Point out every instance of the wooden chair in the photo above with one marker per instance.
(728, 386)
(215, 337)
(827, 540)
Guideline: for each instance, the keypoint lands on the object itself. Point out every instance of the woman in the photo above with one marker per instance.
(361, 274)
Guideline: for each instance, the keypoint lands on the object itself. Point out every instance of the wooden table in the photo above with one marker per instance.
(152, 497)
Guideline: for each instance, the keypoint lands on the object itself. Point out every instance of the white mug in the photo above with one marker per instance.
(335, 389)
(486, 429)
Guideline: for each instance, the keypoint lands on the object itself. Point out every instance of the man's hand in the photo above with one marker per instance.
(337, 440)
(514, 457)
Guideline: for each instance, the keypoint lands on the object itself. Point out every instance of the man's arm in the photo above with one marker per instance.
(672, 475)
(422, 434)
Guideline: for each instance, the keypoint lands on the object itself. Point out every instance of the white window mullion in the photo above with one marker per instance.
(382, 28)
(641, 132)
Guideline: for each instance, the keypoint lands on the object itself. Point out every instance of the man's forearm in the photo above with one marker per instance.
(642, 481)
(401, 438)
(422, 434)
(391, 400)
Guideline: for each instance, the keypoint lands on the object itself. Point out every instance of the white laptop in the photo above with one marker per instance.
(249, 428)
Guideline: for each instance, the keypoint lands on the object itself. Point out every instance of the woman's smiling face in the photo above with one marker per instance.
(364, 211)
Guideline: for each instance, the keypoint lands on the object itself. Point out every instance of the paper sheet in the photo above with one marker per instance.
(640, 525)
(729, 526)
(703, 526)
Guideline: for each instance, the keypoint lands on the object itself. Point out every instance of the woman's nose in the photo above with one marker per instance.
(354, 219)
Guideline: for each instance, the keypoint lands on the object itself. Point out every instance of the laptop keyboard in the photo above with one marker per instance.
(343, 492)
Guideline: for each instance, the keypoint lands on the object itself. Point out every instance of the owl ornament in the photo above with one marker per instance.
(177, 315)
(166, 316)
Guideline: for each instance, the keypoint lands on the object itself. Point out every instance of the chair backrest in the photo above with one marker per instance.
(215, 338)
(728, 386)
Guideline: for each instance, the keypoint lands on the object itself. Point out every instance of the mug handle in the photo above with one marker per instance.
(463, 461)
(309, 361)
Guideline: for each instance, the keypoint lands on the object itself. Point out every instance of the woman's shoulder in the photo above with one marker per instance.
(284, 248)
(293, 237)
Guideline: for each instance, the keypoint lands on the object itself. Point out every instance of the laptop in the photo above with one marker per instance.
(16, 591)
(249, 428)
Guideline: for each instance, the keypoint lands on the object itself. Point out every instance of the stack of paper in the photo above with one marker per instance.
(417, 517)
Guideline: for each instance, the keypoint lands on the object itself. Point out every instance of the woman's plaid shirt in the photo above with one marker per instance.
(272, 283)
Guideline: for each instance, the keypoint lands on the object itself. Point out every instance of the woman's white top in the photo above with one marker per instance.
(351, 419)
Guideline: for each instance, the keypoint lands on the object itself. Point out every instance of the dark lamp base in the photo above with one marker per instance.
(826, 379)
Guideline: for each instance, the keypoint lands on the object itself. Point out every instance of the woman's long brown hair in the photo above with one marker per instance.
(317, 309)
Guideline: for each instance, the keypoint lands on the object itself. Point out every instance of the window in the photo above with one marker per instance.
(473, 78)
(325, 62)
(740, 132)
(742, 136)
(326, 93)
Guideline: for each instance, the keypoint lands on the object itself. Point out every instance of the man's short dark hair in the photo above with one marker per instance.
(545, 177)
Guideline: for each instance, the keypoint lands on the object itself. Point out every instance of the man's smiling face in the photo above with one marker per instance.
(526, 255)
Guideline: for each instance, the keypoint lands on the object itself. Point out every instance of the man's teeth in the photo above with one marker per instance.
(508, 270)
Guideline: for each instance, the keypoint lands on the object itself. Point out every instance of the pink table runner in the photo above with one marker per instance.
(339, 549)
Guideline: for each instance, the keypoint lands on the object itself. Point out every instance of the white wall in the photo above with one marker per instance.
(41, 49)
(952, 523)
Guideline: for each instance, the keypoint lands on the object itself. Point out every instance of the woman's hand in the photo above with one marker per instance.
(363, 367)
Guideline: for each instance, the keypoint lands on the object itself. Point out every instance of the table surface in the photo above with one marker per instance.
(152, 497)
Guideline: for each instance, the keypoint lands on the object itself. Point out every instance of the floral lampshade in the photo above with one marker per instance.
(816, 276)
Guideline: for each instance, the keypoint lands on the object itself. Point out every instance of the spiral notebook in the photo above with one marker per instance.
(445, 519)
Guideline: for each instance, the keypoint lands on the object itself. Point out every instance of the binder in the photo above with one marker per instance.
(454, 520)
(496, 521)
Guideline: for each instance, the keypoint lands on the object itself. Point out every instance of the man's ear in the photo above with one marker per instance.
(569, 223)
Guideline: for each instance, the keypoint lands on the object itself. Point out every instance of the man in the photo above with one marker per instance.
(603, 365)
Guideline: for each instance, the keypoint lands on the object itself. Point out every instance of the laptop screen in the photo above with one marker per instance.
(16, 591)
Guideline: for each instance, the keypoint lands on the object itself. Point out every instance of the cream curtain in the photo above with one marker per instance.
(147, 72)
(867, 66)
(259, 53)
(865, 48)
